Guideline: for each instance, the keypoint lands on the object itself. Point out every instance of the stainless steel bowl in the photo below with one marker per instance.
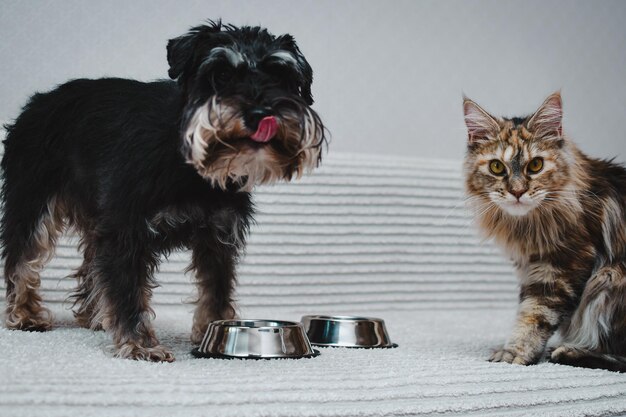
(255, 339)
(347, 331)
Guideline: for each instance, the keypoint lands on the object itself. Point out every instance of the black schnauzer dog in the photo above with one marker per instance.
(141, 169)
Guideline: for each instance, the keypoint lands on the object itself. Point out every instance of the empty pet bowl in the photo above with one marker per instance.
(347, 331)
(255, 339)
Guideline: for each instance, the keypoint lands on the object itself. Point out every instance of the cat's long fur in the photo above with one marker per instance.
(566, 235)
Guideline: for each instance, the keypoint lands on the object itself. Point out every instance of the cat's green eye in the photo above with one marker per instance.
(535, 165)
(496, 167)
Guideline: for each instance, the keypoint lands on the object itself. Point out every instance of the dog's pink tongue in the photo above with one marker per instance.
(268, 126)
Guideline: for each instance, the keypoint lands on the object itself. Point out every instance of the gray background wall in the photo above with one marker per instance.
(389, 76)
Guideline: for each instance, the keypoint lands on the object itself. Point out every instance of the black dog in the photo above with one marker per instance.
(140, 169)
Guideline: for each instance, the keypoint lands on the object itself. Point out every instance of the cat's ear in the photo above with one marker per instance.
(548, 119)
(480, 124)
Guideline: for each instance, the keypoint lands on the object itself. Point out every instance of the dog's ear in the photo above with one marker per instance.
(180, 50)
(307, 79)
(288, 43)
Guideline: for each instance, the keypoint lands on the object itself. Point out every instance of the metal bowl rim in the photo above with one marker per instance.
(231, 323)
(354, 319)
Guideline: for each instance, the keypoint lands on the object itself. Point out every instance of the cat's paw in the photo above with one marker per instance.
(567, 354)
(512, 355)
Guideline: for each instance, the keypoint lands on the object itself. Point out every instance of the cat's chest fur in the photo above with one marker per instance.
(566, 254)
(530, 267)
(537, 237)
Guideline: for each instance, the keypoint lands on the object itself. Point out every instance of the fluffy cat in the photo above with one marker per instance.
(561, 216)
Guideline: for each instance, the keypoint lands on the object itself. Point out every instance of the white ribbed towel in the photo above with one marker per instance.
(383, 236)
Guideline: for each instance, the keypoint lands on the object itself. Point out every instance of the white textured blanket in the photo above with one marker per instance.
(439, 368)
(365, 235)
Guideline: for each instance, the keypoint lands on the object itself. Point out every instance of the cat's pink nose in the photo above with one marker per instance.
(518, 193)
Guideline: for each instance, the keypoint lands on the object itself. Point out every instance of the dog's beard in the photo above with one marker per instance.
(217, 143)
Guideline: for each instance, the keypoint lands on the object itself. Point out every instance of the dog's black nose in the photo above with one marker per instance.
(254, 116)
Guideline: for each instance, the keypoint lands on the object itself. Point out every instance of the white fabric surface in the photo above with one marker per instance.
(439, 368)
(364, 235)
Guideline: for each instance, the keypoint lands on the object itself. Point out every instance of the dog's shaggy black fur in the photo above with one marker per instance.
(140, 169)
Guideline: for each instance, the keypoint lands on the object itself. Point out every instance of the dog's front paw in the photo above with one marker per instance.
(197, 333)
(134, 351)
(229, 313)
(510, 354)
(25, 319)
(204, 316)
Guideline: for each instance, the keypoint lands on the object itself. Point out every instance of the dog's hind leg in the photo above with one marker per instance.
(29, 235)
(87, 297)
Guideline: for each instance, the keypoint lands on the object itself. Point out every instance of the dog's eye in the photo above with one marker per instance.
(278, 69)
(282, 73)
(222, 76)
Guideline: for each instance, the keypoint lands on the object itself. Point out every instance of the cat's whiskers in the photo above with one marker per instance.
(485, 209)
(466, 202)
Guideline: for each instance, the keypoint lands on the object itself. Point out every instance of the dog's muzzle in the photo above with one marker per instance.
(220, 144)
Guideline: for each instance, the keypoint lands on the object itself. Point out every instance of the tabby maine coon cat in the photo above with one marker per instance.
(561, 216)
